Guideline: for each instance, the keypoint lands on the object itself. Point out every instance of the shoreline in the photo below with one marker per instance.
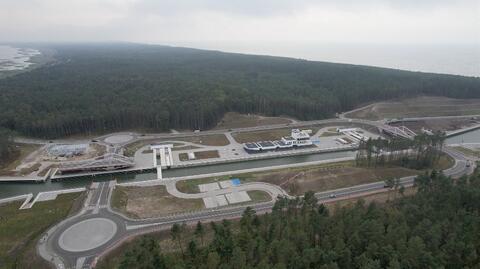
(19, 58)
(24, 59)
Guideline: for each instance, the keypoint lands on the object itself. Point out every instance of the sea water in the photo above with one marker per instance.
(12, 58)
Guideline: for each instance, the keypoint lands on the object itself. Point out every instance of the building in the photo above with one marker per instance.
(66, 150)
(297, 138)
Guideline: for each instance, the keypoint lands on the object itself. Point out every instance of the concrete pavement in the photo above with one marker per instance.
(75, 244)
(271, 189)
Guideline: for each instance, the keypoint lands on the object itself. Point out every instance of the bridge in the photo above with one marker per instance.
(166, 159)
(397, 131)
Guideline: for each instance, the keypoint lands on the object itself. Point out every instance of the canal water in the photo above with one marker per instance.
(13, 189)
(470, 137)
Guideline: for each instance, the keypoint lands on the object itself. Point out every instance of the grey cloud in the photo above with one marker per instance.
(278, 7)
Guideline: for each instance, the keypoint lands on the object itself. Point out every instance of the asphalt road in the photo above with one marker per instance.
(137, 136)
(97, 207)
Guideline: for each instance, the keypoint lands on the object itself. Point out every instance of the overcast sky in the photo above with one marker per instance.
(179, 21)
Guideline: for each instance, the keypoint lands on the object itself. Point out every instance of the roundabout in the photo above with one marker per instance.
(87, 235)
(79, 241)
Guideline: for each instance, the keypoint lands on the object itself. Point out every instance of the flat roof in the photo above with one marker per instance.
(266, 144)
(251, 145)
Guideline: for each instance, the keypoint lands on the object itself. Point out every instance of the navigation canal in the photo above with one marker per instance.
(470, 137)
(13, 189)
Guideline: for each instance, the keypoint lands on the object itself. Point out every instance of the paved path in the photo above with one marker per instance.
(73, 243)
(137, 137)
(233, 151)
(271, 189)
(87, 234)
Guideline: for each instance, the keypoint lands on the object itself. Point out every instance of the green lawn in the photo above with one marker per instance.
(322, 177)
(191, 185)
(259, 196)
(467, 151)
(21, 229)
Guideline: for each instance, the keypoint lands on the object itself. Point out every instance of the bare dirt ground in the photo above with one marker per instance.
(206, 140)
(7, 169)
(437, 124)
(200, 155)
(274, 134)
(237, 120)
(184, 148)
(149, 202)
(297, 181)
(418, 107)
(28, 170)
(255, 136)
(317, 178)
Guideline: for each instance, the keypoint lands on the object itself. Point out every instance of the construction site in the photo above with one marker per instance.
(135, 153)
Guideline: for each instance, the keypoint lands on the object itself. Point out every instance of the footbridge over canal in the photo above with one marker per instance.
(166, 158)
(397, 131)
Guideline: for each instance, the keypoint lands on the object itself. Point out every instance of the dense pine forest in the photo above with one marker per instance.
(95, 88)
(7, 148)
(424, 151)
(439, 227)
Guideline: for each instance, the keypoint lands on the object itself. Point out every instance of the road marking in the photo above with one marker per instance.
(80, 261)
(97, 206)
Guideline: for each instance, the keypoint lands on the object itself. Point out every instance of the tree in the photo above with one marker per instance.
(176, 234)
(238, 259)
(402, 190)
(7, 147)
(389, 183)
(192, 250)
(144, 256)
(103, 88)
(434, 228)
(213, 260)
(200, 232)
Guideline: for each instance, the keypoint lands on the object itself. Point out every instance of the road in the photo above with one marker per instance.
(460, 168)
(271, 189)
(61, 242)
(116, 142)
(116, 147)
(137, 137)
(76, 243)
